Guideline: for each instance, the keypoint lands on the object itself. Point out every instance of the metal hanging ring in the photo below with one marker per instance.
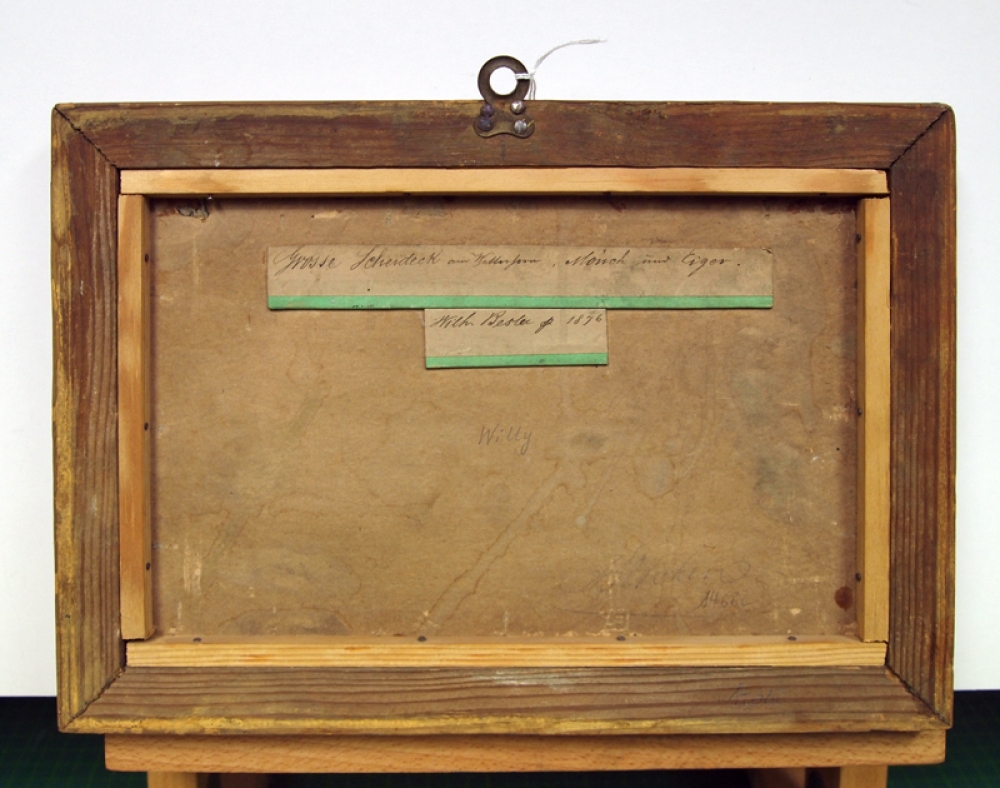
(491, 65)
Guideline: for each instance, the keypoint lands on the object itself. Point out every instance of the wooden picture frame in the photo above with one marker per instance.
(884, 698)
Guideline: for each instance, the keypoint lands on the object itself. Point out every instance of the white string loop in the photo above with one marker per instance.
(530, 75)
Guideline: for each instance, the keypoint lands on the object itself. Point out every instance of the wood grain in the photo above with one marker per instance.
(915, 142)
(542, 180)
(876, 776)
(83, 418)
(922, 558)
(439, 134)
(856, 776)
(501, 652)
(394, 754)
(133, 417)
(874, 418)
(505, 700)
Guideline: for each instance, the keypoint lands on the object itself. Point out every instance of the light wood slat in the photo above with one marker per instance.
(855, 776)
(395, 754)
(133, 417)
(359, 652)
(580, 180)
(874, 422)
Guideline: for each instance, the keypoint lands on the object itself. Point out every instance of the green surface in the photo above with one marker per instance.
(519, 302)
(33, 754)
(533, 360)
(972, 759)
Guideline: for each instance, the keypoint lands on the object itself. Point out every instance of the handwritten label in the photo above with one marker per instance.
(515, 337)
(381, 276)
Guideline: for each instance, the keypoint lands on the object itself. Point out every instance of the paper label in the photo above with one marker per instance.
(515, 337)
(455, 277)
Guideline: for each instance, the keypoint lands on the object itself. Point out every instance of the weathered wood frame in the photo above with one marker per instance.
(97, 149)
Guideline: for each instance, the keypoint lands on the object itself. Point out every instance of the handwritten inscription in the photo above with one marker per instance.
(584, 319)
(431, 273)
(381, 257)
(696, 261)
(751, 696)
(296, 259)
(514, 435)
(638, 571)
(509, 319)
(725, 600)
(515, 337)
(308, 258)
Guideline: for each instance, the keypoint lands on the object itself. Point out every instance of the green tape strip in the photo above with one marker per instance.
(520, 302)
(534, 360)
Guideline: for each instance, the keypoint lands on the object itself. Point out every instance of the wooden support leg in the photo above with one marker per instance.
(855, 777)
(255, 780)
(788, 777)
(842, 777)
(196, 780)
(175, 779)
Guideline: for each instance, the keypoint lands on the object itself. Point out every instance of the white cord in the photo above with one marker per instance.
(530, 75)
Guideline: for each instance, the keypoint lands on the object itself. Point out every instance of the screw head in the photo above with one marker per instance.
(484, 124)
(517, 106)
(487, 110)
(521, 126)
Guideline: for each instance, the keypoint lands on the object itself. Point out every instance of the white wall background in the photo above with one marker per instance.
(775, 50)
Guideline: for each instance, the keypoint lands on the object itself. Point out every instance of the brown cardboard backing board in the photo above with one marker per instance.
(311, 476)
